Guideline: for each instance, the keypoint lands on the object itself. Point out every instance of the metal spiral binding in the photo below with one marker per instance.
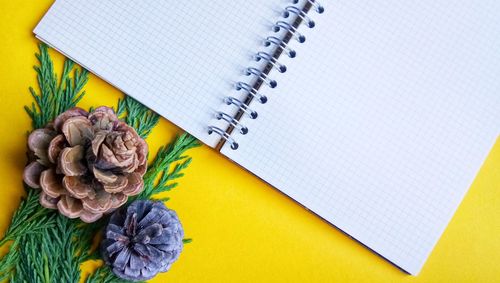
(261, 55)
(224, 135)
(314, 3)
(280, 43)
(242, 106)
(252, 91)
(235, 123)
(256, 72)
(299, 13)
(290, 29)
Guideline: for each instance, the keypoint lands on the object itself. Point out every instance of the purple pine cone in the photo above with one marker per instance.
(142, 240)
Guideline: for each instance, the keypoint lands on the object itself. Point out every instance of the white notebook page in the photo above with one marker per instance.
(383, 119)
(180, 58)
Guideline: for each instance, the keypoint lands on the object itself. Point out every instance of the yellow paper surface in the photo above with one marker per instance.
(243, 229)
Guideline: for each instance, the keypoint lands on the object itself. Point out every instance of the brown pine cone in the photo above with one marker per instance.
(86, 164)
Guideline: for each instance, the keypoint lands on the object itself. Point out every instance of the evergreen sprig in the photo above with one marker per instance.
(29, 221)
(159, 178)
(54, 96)
(8, 261)
(46, 246)
(136, 115)
(29, 218)
(54, 256)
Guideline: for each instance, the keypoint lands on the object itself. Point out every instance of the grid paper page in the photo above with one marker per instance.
(383, 119)
(180, 58)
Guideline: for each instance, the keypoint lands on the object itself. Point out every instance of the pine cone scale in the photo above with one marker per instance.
(38, 143)
(77, 187)
(48, 202)
(89, 217)
(135, 183)
(73, 112)
(117, 186)
(97, 141)
(56, 145)
(100, 204)
(32, 173)
(118, 200)
(131, 224)
(51, 183)
(122, 258)
(105, 177)
(77, 130)
(70, 161)
(69, 207)
(137, 265)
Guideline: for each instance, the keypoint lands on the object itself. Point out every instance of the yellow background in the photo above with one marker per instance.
(244, 230)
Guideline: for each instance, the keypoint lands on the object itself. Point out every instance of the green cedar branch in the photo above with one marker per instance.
(138, 116)
(54, 256)
(159, 178)
(30, 217)
(55, 95)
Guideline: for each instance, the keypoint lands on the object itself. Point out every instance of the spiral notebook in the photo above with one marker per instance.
(374, 115)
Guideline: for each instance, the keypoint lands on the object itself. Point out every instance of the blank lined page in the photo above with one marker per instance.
(383, 119)
(180, 58)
